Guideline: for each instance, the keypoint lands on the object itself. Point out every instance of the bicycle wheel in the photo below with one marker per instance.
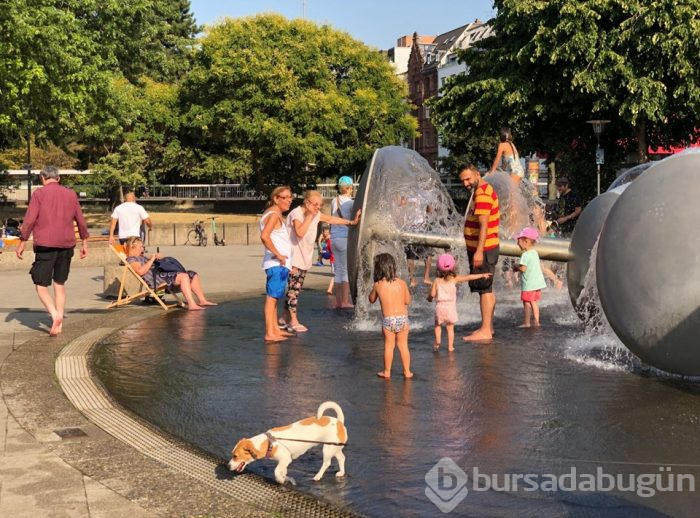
(203, 242)
(192, 238)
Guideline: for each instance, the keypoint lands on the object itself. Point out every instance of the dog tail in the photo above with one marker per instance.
(332, 405)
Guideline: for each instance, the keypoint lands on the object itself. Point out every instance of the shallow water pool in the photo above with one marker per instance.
(532, 402)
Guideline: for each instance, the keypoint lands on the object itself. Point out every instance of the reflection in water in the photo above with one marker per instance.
(395, 417)
(518, 405)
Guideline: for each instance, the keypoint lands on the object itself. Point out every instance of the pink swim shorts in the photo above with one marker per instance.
(531, 296)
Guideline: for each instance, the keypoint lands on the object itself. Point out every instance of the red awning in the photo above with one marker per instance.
(670, 150)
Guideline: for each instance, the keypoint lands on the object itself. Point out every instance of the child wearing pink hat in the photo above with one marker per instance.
(444, 292)
(531, 278)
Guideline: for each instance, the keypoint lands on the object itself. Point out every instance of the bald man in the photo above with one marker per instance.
(130, 215)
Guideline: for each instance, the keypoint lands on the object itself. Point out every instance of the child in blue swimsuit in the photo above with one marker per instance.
(394, 298)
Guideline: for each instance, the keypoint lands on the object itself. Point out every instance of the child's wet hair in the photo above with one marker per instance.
(384, 268)
(446, 274)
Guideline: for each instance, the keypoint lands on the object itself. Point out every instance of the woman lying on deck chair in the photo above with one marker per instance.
(188, 282)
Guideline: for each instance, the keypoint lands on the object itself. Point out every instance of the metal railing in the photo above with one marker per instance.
(205, 191)
(194, 191)
(243, 192)
(218, 191)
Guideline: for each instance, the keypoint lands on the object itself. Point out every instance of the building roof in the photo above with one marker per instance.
(445, 41)
(461, 37)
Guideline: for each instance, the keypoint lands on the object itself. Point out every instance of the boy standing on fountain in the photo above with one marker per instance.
(481, 228)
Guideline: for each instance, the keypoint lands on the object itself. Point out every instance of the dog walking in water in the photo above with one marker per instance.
(286, 443)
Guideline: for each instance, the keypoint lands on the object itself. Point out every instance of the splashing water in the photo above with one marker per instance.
(407, 195)
(598, 345)
(519, 203)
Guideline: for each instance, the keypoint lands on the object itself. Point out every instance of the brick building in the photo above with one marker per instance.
(424, 63)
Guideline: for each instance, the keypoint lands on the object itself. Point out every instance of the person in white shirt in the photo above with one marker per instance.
(130, 215)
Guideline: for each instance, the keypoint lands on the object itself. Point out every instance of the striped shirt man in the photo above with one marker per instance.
(485, 203)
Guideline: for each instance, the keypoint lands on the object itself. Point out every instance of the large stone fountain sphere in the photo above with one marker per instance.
(584, 238)
(648, 265)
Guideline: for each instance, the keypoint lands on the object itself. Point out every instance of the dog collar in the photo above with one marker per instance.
(271, 441)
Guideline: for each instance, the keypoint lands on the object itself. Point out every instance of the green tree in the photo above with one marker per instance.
(138, 142)
(132, 134)
(289, 101)
(46, 154)
(49, 71)
(139, 38)
(60, 60)
(553, 65)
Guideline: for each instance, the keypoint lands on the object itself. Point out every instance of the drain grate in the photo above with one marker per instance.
(69, 433)
(86, 395)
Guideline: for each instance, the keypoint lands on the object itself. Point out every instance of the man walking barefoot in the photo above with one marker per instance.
(50, 216)
(481, 228)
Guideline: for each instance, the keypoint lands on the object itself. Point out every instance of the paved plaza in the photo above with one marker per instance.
(89, 473)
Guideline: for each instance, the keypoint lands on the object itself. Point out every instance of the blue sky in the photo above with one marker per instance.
(378, 23)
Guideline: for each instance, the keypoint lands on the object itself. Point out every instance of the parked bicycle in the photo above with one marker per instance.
(197, 236)
(217, 241)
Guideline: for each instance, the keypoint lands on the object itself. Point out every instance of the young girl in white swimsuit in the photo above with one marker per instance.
(394, 298)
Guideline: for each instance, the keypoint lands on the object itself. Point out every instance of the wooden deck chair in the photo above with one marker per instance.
(124, 298)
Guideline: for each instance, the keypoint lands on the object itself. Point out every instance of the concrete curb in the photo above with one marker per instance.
(54, 461)
(87, 395)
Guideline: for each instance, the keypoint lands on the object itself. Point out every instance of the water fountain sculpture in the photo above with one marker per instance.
(647, 265)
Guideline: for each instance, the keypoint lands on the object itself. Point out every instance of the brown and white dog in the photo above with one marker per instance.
(286, 443)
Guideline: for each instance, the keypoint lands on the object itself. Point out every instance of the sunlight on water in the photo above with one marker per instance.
(528, 397)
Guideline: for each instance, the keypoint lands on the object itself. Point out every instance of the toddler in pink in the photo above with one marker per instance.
(444, 292)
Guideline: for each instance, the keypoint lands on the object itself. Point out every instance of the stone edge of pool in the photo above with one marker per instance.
(50, 390)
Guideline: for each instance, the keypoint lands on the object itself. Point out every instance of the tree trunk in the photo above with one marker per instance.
(642, 145)
(116, 196)
(259, 175)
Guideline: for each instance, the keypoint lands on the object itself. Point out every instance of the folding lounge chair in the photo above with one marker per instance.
(124, 298)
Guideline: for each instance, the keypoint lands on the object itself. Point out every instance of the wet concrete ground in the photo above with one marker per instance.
(533, 402)
(42, 474)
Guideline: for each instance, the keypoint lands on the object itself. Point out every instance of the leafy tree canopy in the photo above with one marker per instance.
(99, 79)
(141, 37)
(289, 101)
(50, 69)
(552, 65)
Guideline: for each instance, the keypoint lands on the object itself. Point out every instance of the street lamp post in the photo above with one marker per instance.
(598, 125)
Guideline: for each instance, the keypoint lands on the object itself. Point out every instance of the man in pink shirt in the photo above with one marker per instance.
(50, 216)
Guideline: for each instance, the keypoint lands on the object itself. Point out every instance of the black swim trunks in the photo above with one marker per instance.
(50, 264)
(488, 266)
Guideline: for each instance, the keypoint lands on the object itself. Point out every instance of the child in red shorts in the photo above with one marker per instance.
(531, 278)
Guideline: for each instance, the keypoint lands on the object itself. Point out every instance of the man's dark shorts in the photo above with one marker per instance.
(50, 264)
(488, 266)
